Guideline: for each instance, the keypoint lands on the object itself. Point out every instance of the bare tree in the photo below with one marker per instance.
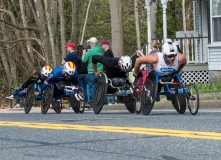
(62, 27)
(154, 14)
(137, 23)
(116, 27)
(75, 5)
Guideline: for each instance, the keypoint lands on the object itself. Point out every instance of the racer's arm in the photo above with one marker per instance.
(74, 79)
(182, 62)
(149, 59)
(46, 82)
(106, 61)
(31, 80)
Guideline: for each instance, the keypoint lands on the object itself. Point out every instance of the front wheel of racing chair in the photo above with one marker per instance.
(178, 100)
(77, 106)
(148, 94)
(56, 103)
(100, 92)
(29, 99)
(129, 100)
(46, 98)
(193, 100)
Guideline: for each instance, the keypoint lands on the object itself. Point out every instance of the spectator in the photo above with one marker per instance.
(108, 53)
(82, 73)
(72, 56)
(17, 96)
(95, 49)
(154, 46)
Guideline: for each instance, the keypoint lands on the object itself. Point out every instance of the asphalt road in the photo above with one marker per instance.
(111, 135)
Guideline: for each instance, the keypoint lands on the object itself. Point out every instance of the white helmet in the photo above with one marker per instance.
(46, 70)
(169, 48)
(125, 63)
(69, 68)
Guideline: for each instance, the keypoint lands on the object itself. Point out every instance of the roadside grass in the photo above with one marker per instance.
(209, 88)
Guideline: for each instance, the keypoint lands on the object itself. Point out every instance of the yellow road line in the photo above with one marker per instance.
(132, 130)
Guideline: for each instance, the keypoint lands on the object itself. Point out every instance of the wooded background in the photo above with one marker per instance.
(34, 33)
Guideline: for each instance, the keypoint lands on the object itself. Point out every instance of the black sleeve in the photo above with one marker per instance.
(106, 61)
(133, 58)
(108, 53)
(31, 80)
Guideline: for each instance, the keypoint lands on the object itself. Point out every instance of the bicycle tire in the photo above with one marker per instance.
(193, 110)
(46, 99)
(29, 99)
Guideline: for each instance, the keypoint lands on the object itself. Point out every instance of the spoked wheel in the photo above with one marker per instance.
(29, 99)
(130, 103)
(75, 104)
(56, 103)
(46, 99)
(82, 102)
(137, 96)
(148, 94)
(100, 94)
(178, 101)
(193, 98)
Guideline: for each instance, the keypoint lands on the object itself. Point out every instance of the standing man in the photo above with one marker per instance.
(108, 53)
(95, 49)
(72, 56)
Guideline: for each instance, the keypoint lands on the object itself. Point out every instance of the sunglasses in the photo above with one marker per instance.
(171, 56)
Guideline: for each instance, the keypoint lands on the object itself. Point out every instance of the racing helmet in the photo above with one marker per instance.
(46, 70)
(69, 68)
(169, 48)
(125, 63)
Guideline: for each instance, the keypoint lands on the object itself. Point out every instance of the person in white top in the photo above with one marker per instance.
(165, 63)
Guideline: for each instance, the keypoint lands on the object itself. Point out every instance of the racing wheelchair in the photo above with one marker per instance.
(118, 86)
(30, 97)
(54, 93)
(175, 90)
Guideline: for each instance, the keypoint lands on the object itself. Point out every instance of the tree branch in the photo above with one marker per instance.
(18, 27)
(22, 39)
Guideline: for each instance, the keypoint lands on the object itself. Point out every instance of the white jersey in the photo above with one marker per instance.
(164, 69)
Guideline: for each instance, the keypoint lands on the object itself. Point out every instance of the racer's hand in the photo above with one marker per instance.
(37, 93)
(138, 75)
(77, 96)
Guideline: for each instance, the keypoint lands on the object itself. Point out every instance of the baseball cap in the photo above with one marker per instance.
(104, 42)
(92, 39)
(72, 45)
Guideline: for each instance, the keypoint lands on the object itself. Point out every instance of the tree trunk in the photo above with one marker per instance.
(137, 24)
(41, 23)
(50, 31)
(85, 22)
(62, 27)
(116, 7)
(74, 32)
(26, 31)
(154, 19)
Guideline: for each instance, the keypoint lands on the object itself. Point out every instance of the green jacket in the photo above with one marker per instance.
(87, 58)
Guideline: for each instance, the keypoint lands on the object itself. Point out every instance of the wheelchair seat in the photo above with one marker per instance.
(118, 81)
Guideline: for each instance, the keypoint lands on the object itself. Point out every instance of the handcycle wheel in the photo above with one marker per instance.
(46, 99)
(148, 94)
(178, 101)
(29, 99)
(99, 94)
(56, 103)
(75, 104)
(193, 102)
(82, 102)
(137, 96)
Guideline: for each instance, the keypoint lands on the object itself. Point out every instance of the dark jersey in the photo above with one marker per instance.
(35, 78)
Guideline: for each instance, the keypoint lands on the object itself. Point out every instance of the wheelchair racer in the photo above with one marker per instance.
(67, 74)
(166, 64)
(115, 67)
(37, 77)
